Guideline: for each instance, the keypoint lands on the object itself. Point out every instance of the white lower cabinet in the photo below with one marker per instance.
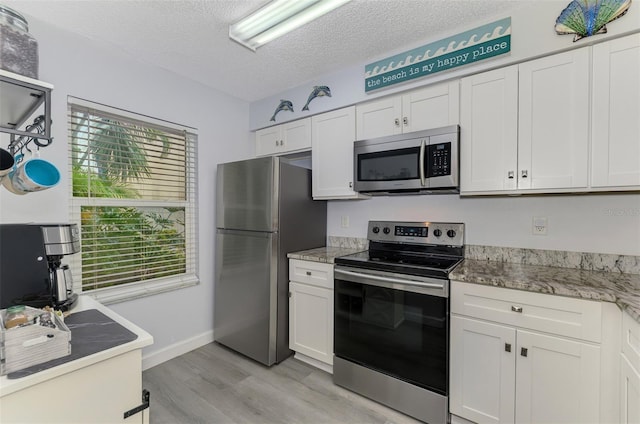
(557, 380)
(630, 371)
(311, 312)
(99, 393)
(482, 370)
(507, 366)
(630, 393)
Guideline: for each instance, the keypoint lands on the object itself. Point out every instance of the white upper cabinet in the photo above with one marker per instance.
(553, 126)
(489, 130)
(333, 134)
(379, 118)
(433, 106)
(290, 137)
(615, 145)
(526, 127)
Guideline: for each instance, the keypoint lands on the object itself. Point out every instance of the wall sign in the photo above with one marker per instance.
(481, 43)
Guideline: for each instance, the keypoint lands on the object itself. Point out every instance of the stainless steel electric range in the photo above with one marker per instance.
(391, 322)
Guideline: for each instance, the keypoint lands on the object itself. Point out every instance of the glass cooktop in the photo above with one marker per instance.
(427, 265)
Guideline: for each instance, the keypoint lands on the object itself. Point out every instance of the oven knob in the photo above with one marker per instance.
(376, 230)
(437, 233)
(451, 233)
(386, 230)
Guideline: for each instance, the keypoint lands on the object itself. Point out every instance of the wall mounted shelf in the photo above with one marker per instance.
(20, 99)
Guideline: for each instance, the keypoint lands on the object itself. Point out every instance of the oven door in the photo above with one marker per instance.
(393, 323)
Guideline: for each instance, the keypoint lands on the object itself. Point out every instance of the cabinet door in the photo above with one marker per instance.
(553, 130)
(311, 321)
(489, 131)
(616, 107)
(434, 106)
(630, 393)
(379, 118)
(98, 393)
(557, 380)
(268, 140)
(482, 370)
(333, 134)
(296, 135)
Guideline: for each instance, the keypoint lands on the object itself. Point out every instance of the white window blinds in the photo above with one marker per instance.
(134, 196)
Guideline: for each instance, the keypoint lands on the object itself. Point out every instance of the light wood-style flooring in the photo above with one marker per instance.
(213, 384)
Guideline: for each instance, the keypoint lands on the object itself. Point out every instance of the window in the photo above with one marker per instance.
(134, 197)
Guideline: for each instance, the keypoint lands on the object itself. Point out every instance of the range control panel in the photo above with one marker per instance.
(440, 233)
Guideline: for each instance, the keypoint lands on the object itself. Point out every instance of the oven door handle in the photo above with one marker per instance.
(394, 283)
(423, 178)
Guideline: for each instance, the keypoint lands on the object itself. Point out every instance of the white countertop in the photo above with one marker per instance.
(8, 386)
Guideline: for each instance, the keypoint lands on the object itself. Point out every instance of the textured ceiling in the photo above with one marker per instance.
(190, 37)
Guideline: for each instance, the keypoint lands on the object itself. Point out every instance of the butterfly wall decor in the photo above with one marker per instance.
(585, 18)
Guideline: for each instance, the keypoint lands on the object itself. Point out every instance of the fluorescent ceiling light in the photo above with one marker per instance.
(278, 18)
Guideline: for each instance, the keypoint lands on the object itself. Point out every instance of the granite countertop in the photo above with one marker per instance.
(622, 289)
(325, 254)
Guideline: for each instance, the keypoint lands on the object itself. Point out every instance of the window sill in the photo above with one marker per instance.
(111, 295)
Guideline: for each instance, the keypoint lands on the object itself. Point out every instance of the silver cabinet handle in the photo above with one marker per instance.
(524, 351)
(507, 347)
(423, 177)
(511, 174)
(524, 173)
(516, 309)
(405, 121)
(397, 122)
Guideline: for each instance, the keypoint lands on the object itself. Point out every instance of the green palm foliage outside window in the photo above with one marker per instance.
(133, 188)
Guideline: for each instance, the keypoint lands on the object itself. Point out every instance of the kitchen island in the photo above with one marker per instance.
(97, 388)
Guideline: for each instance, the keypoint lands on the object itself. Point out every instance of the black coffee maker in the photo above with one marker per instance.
(31, 269)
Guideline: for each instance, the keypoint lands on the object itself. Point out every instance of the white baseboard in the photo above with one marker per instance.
(314, 362)
(459, 420)
(176, 349)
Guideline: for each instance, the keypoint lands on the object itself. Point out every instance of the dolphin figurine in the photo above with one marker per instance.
(318, 91)
(284, 105)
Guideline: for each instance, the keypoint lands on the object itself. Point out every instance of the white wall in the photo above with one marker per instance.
(85, 69)
(603, 223)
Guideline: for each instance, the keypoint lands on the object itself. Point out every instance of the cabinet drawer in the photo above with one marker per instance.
(577, 318)
(314, 273)
(631, 340)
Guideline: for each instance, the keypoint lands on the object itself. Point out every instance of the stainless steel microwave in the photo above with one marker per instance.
(419, 162)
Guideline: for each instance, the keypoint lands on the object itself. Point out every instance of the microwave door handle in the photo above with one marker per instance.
(422, 174)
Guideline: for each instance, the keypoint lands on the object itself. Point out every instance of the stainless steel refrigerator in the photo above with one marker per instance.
(264, 210)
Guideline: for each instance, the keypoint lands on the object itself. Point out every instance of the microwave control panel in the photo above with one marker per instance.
(439, 159)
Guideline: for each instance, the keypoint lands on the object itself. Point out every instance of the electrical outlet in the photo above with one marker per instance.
(539, 226)
(344, 221)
